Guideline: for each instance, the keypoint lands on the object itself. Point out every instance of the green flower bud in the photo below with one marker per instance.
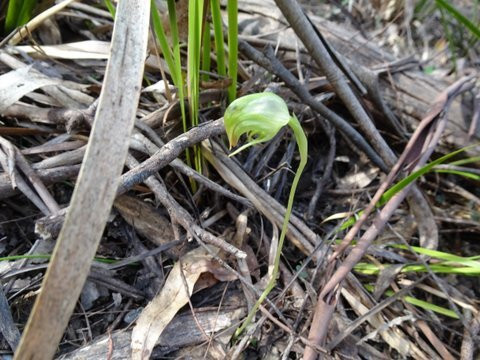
(260, 116)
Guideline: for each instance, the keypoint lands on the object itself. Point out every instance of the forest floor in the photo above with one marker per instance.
(187, 250)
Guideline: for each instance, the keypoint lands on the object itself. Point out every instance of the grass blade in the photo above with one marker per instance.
(218, 36)
(18, 13)
(232, 9)
(163, 42)
(110, 7)
(207, 48)
(405, 182)
(447, 6)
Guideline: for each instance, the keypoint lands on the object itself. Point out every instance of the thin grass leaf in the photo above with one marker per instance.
(176, 70)
(26, 12)
(469, 160)
(404, 183)
(415, 175)
(442, 256)
(447, 6)
(440, 268)
(21, 257)
(110, 7)
(195, 17)
(218, 36)
(18, 13)
(428, 306)
(465, 174)
(206, 49)
(232, 10)
(163, 42)
(419, 303)
(13, 11)
(48, 257)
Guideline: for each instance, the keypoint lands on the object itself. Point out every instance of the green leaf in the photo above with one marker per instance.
(447, 6)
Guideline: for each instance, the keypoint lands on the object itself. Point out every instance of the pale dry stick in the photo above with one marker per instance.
(434, 340)
(472, 131)
(37, 183)
(96, 186)
(70, 118)
(48, 176)
(66, 158)
(55, 147)
(238, 240)
(91, 10)
(169, 152)
(15, 180)
(152, 146)
(179, 215)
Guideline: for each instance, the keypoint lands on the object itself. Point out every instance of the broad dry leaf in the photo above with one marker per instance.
(358, 179)
(173, 296)
(17, 83)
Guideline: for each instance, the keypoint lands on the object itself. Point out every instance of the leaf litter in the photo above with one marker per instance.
(185, 287)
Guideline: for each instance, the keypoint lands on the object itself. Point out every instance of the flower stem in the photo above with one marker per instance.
(302, 144)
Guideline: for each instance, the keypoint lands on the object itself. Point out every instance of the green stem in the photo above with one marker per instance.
(302, 144)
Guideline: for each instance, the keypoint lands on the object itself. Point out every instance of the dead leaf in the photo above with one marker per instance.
(89, 49)
(18, 83)
(161, 310)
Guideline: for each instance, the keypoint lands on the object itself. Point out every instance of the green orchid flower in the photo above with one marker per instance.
(260, 117)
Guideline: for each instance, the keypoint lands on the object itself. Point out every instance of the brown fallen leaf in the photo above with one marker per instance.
(147, 221)
(173, 296)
